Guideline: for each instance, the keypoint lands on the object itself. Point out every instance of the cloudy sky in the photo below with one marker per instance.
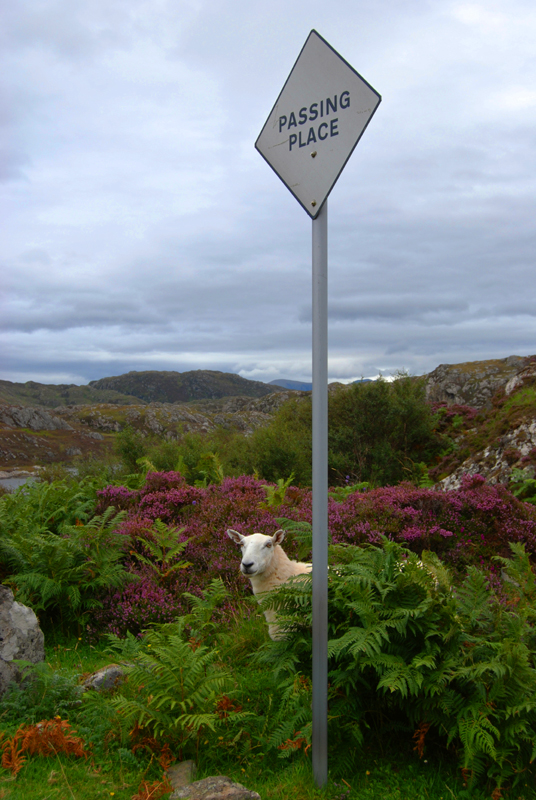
(141, 229)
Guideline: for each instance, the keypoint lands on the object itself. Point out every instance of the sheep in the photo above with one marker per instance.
(267, 565)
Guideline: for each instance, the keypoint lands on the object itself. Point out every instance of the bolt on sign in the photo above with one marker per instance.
(316, 122)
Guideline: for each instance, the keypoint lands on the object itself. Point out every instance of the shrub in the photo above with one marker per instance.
(409, 653)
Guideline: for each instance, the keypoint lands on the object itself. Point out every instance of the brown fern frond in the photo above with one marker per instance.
(165, 758)
(12, 757)
(154, 790)
(420, 736)
(49, 737)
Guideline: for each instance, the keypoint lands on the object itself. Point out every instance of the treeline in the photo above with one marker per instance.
(380, 432)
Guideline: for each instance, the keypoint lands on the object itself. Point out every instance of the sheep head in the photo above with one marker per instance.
(257, 551)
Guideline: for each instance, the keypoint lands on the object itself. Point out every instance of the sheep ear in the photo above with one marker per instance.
(235, 536)
(278, 536)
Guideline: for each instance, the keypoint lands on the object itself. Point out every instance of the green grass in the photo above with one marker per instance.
(382, 771)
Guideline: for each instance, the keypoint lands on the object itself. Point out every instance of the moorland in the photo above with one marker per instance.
(432, 654)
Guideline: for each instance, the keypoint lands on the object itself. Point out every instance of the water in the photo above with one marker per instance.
(15, 483)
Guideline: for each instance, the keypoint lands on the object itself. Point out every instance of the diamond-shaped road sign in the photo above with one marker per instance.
(316, 122)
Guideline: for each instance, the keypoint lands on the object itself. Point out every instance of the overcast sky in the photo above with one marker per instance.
(141, 229)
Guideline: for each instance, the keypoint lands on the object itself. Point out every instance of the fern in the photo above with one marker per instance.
(406, 646)
(275, 495)
(68, 573)
(164, 548)
(175, 687)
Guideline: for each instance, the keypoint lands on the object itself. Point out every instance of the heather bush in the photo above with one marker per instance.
(463, 527)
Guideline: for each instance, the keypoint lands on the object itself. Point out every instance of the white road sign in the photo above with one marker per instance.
(316, 122)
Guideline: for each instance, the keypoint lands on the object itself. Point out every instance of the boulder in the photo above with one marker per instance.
(20, 637)
(105, 678)
(216, 788)
(181, 774)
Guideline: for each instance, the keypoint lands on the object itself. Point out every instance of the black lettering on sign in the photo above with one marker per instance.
(326, 126)
(320, 109)
(331, 104)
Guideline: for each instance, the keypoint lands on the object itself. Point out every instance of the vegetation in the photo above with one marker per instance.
(382, 432)
(432, 605)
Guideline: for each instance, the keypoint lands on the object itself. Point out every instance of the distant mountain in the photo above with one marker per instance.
(301, 386)
(297, 386)
(136, 388)
(183, 387)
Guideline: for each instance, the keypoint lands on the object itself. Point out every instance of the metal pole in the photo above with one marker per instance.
(320, 497)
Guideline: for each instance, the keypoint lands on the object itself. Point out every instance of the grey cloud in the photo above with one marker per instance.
(143, 229)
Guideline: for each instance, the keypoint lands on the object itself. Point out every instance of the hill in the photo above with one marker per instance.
(487, 414)
(136, 388)
(183, 387)
(299, 386)
(53, 395)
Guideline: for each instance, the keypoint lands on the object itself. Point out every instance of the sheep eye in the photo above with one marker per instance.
(268, 544)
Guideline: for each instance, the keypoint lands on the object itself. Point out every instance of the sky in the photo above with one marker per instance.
(141, 230)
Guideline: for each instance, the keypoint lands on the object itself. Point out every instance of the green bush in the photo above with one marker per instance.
(408, 654)
(379, 431)
(63, 576)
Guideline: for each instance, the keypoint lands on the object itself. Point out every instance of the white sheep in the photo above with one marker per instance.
(267, 565)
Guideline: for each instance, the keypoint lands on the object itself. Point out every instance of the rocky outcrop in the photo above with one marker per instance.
(473, 383)
(36, 419)
(495, 462)
(20, 637)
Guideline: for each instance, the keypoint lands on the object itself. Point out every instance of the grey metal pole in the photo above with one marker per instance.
(320, 497)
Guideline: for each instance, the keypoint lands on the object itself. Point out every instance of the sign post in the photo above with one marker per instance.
(311, 132)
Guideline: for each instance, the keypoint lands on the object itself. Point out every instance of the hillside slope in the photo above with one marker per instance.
(184, 387)
(51, 395)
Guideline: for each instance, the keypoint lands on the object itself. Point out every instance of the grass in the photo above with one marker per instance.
(113, 771)
(63, 778)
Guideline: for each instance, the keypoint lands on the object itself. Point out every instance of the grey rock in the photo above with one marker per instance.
(473, 383)
(20, 637)
(492, 463)
(37, 419)
(182, 774)
(105, 678)
(217, 788)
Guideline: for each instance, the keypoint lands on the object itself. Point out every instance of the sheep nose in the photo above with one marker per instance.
(247, 566)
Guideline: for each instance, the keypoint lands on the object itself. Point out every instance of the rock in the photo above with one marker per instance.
(37, 419)
(20, 637)
(216, 788)
(496, 462)
(182, 774)
(473, 383)
(524, 374)
(105, 678)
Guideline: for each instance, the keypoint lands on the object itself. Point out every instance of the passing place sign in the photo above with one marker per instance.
(316, 122)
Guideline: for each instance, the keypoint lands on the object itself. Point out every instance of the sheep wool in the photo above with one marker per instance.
(267, 566)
